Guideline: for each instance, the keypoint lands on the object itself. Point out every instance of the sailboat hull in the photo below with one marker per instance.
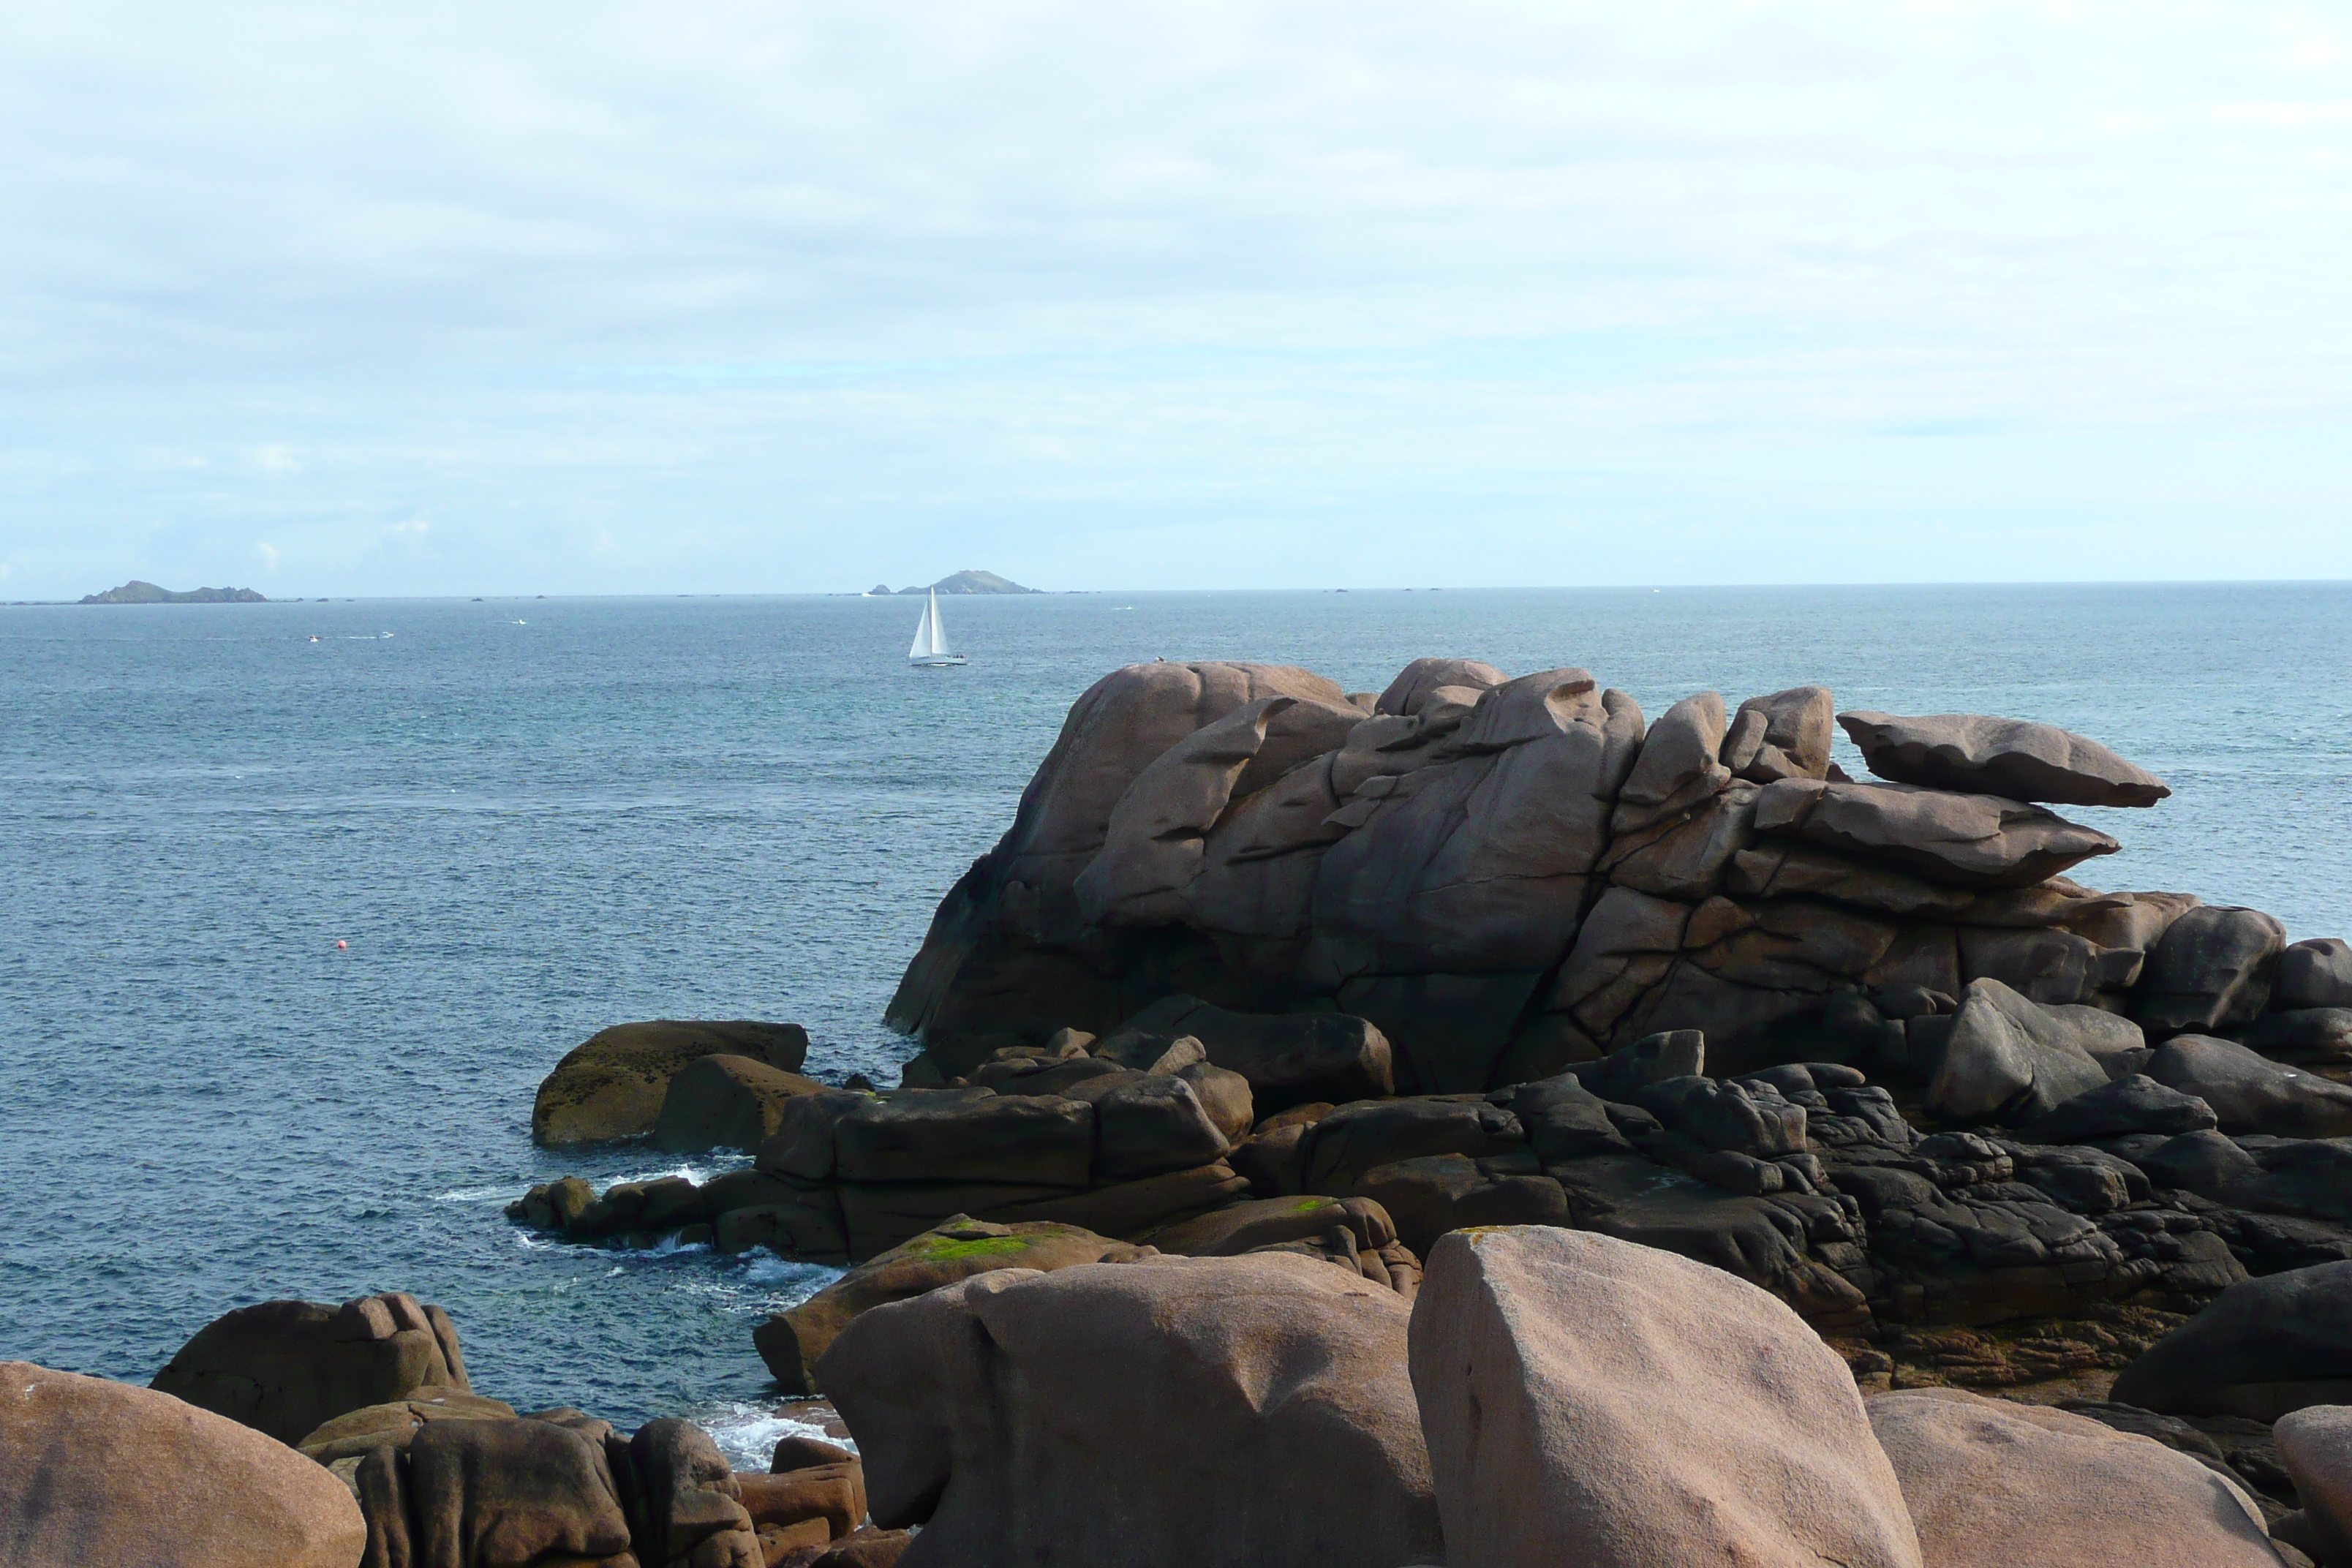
(937, 660)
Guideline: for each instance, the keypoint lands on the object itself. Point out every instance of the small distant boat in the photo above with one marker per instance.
(930, 649)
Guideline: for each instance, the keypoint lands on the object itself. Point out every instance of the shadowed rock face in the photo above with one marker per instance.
(1505, 877)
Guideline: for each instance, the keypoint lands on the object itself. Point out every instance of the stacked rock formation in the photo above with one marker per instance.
(1867, 1048)
(1509, 876)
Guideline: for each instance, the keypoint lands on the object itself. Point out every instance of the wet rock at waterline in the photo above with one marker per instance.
(613, 1084)
(725, 1102)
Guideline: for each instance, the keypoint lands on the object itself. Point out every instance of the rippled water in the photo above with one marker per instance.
(530, 819)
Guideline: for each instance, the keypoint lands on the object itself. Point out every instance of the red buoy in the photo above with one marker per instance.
(341, 945)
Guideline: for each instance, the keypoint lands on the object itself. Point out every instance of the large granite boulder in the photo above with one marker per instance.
(1147, 1124)
(811, 1505)
(1972, 755)
(288, 1367)
(2314, 973)
(1960, 840)
(2210, 972)
(463, 1493)
(2129, 1105)
(1784, 735)
(966, 1134)
(97, 1472)
(613, 1084)
(2251, 1093)
(1589, 1401)
(2302, 1035)
(2315, 1443)
(791, 1341)
(1678, 769)
(1240, 1227)
(1176, 1411)
(2005, 1056)
(1995, 1484)
(2309, 1178)
(1417, 683)
(1339, 1149)
(1564, 1120)
(1430, 1196)
(726, 1103)
(1155, 843)
(690, 1513)
(1749, 1117)
(2262, 1348)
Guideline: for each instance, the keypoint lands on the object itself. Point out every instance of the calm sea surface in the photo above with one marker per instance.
(530, 819)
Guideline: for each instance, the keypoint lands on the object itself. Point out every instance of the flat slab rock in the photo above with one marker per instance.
(1974, 753)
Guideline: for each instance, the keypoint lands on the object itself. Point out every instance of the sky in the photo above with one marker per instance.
(778, 298)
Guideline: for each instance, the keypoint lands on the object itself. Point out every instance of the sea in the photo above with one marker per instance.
(299, 901)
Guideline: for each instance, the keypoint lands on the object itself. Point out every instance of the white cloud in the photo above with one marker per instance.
(783, 295)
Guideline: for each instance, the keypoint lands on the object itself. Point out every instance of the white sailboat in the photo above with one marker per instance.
(930, 649)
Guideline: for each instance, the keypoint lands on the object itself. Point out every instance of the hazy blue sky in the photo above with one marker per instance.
(726, 297)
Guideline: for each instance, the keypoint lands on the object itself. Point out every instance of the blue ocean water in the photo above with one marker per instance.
(532, 817)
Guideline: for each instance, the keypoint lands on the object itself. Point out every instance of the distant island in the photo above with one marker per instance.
(137, 593)
(969, 582)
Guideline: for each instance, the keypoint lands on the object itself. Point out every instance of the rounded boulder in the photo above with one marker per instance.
(1995, 1484)
(98, 1472)
(612, 1085)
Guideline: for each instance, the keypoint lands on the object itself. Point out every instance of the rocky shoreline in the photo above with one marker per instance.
(1464, 1125)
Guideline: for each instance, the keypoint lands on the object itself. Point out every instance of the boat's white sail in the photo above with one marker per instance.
(930, 645)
